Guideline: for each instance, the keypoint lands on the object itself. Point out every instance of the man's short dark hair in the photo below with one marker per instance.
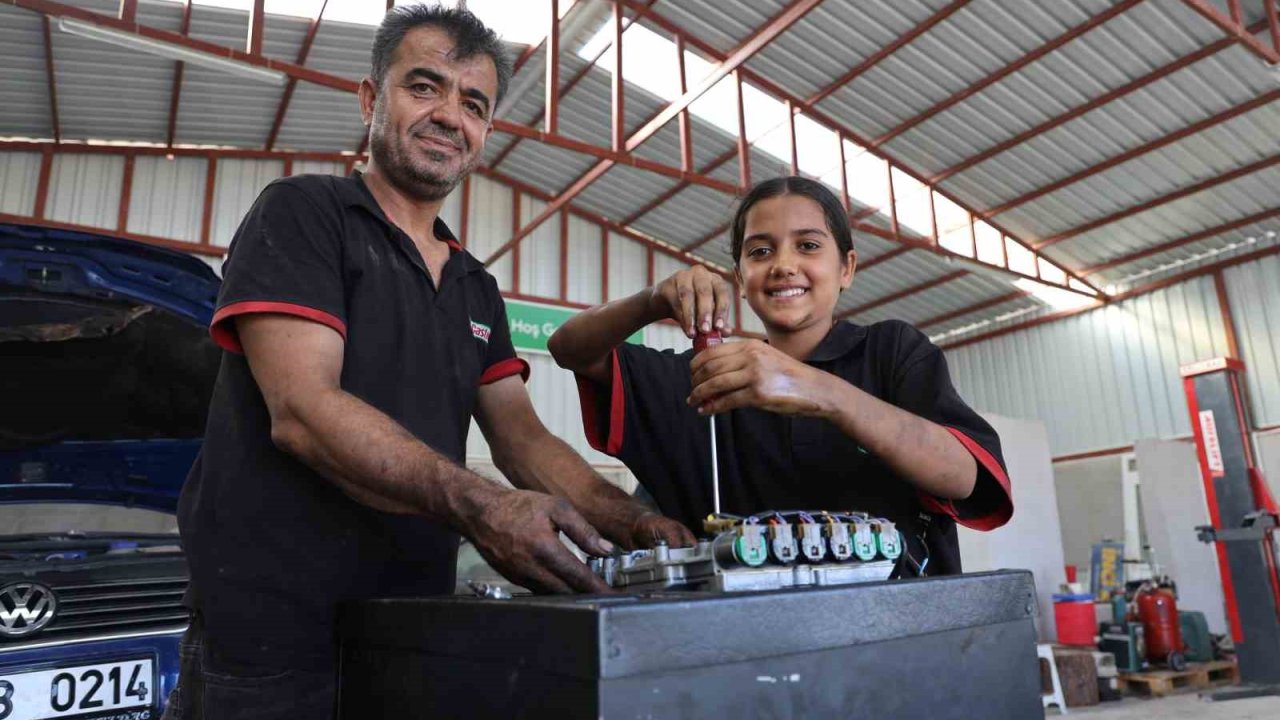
(470, 37)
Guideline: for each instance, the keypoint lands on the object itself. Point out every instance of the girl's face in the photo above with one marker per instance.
(791, 269)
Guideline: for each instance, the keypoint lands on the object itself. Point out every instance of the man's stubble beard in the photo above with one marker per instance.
(393, 158)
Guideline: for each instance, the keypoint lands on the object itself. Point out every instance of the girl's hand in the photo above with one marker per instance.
(754, 374)
(696, 298)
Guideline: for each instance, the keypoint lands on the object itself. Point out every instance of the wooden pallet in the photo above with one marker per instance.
(1197, 676)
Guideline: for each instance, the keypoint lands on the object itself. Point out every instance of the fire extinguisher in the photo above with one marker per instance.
(1158, 613)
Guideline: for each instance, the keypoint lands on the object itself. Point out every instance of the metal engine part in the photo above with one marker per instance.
(719, 565)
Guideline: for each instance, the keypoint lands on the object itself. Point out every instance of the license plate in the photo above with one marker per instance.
(114, 691)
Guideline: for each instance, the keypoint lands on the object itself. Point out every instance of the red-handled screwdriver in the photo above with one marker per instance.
(702, 341)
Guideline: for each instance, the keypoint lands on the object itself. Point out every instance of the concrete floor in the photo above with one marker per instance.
(1177, 707)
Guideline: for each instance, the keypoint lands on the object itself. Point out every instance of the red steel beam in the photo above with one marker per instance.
(126, 193)
(206, 212)
(754, 43)
(649, 206)
(1228, 321)
(81, 148)
(884, 258)
(686, 127)
(708, 237)
(604, 264)
(791, 136)
(128, 10)
(743, 52)
(1136, 292)
(618, 94)
(1235, 29)
(1111, 96)
(884, 52)
(564, 255)
(970, 309)
(744, 148)
(1143, 149)
(1273, 24)
(303, 52)
(257, 16)
(551, 117)
(1013, 67)
(42, 183)
(603, 222)
(287, 171)
(515, 227)
(1158, 201)
(842, 130)
(179, 69)
(1175, 244)
(53, 85)
(905, 292)
(573, 82)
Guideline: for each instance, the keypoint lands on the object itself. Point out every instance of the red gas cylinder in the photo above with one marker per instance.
(1158, 612)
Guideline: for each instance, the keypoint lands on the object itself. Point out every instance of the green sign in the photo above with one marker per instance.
(533, 323)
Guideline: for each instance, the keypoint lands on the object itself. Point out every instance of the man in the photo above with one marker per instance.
(360, 341)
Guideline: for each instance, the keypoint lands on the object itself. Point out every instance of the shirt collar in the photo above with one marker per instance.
(356, 194)
(840, 341)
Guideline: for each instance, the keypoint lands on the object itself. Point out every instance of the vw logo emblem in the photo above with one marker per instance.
(25, 608)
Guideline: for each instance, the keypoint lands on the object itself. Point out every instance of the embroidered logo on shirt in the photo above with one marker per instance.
(481, 332)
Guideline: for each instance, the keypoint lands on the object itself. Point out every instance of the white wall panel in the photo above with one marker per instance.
(586, 249)
(19, 175)
(237, 184)
(666, 336)
(85, 189)
(1099, 379)
(1253, 289)
(167, 197)
(318, 167)
(451, 211)
(554, 393)
(489, 225)
(628, 266)
(539, 252)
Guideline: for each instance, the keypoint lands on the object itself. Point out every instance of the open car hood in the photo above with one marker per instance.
(106, 367)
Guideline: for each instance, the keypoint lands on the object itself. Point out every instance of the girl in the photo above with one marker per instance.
(825, 415)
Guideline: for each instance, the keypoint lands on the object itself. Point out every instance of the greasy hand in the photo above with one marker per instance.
(517, 533)
(753, 374)
(696, 298)
(651, 527)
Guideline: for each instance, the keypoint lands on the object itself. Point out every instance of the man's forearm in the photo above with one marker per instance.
(548, 464)
(378, 462)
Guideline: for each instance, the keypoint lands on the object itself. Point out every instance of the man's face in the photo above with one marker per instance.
(429, 119)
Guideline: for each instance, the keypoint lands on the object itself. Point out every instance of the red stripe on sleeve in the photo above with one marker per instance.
(505, 368)
(224, 333)
(588, 398)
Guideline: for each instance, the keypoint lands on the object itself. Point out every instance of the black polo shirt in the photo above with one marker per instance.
(274, 547)
(770, 461)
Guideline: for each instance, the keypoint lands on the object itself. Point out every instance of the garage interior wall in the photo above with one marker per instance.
(1108, 377)
(167, 197)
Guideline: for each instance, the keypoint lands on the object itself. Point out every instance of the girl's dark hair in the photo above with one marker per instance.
(837, 219)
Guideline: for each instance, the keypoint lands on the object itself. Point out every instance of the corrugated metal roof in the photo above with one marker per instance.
(113, 93)
(24, 94)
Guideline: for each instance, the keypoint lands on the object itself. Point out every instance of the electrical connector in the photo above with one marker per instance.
(749, 546)
(889, 540)
(837, 535)
(864, 541)
(782, 544)
(812, 546)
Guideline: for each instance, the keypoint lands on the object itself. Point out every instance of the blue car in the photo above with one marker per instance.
(106, 370)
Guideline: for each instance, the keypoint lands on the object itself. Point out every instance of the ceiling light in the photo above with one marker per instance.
(171, 51)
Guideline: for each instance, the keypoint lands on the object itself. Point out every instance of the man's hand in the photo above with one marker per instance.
(650, 527)
(517, 532)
